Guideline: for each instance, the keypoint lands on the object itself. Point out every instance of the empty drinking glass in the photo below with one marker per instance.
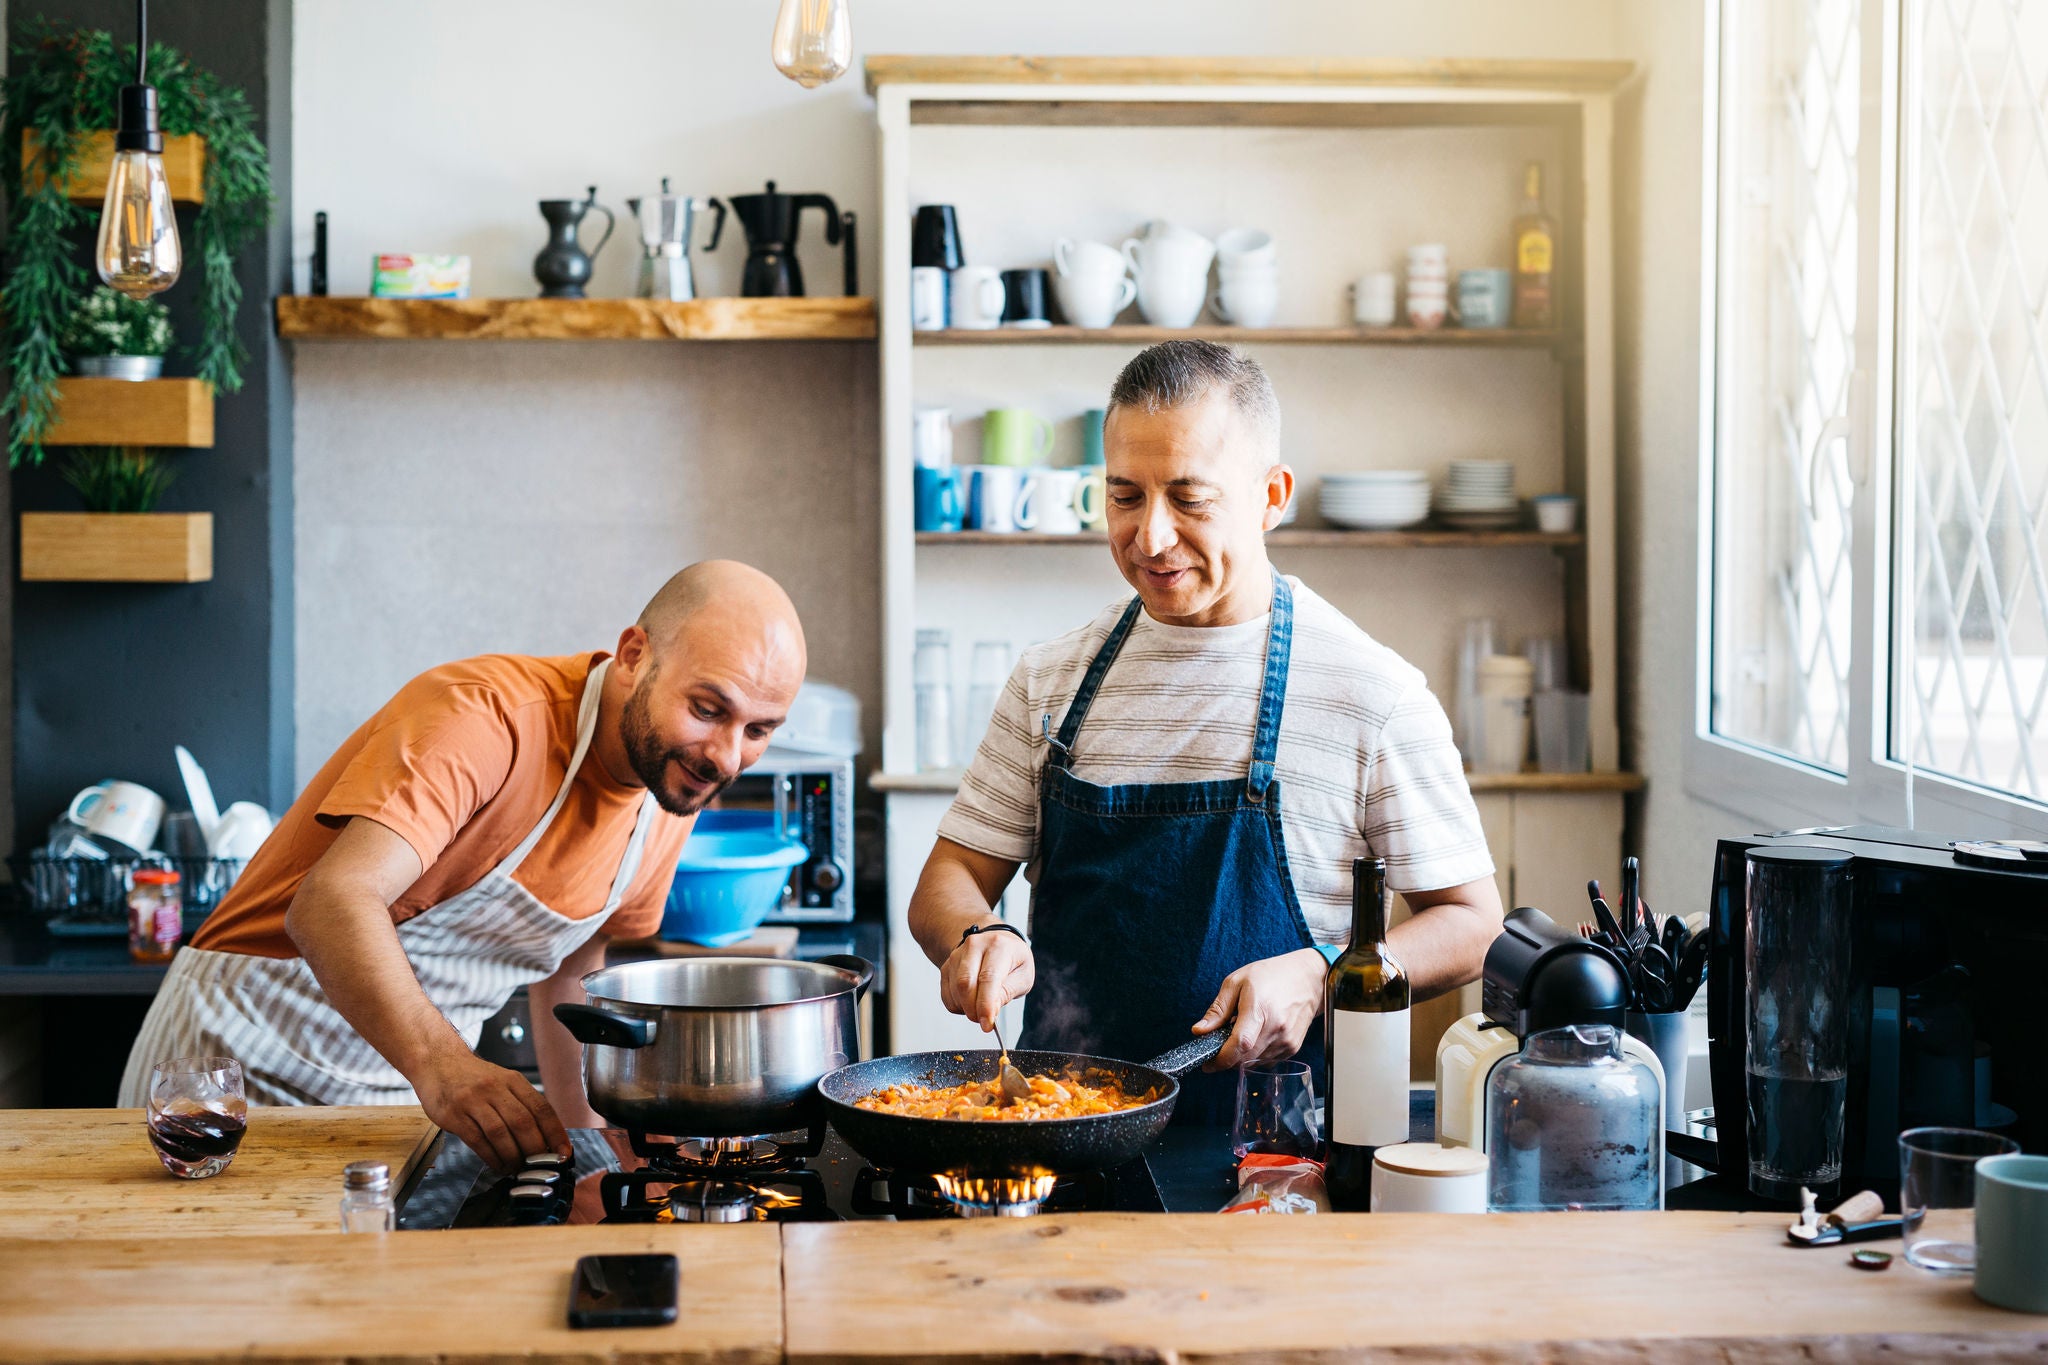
(1276, 1111)
(1938, 1193)
(932, 678)
(197, 1114)
(988, 671)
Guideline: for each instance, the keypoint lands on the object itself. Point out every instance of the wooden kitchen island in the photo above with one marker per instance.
(247, 1268)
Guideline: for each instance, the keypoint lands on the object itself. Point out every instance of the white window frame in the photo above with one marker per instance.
(1771, 790)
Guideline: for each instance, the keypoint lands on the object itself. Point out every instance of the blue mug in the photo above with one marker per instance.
(941, 498)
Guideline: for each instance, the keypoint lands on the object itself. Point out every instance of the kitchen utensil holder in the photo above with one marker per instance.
(89, 896)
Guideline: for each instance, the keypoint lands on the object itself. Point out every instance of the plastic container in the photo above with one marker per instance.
(1572, 1123)
(1563, 731)
(726, 883)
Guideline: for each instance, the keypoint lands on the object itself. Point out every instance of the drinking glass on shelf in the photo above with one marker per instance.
(1276, 1112)
(196, 1114)
(1476, 644)
(932, 678)
(1938, 1194)
(988, 672)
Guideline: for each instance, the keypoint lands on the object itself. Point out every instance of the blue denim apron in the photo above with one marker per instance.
(1149, 895)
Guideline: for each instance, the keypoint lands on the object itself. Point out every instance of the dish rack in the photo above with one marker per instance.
(89, 896)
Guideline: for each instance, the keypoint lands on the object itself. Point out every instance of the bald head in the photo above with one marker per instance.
(712, 667)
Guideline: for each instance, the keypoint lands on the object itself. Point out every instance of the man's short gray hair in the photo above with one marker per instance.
(1176, 373)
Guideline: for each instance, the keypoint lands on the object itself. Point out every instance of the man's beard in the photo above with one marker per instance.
(650, 760)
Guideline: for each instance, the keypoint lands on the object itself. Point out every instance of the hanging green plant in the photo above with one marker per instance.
(118, 478)
(64, 83)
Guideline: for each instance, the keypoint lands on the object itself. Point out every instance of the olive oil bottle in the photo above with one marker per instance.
(1365, 1023)
(1535, 240)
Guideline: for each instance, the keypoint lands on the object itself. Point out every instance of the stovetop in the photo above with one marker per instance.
(615, 1176)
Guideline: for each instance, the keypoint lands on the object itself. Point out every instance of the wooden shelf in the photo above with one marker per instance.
(948, 779)
(132, 412)
(184, 166)
(1481, 73)
(1287, 537)
(302, 317)
(134, 547)
(1139, 335)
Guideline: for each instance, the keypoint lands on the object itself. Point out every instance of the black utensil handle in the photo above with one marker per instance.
(717, 206)
(859, 966)
(589, 1024)
(1177, 1062)
(852, 254)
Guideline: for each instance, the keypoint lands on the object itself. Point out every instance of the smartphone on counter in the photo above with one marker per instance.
(624, 1291)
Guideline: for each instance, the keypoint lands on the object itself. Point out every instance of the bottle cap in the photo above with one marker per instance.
(366, 1175)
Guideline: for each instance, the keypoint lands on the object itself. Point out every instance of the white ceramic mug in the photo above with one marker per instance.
(975, 295)
(241, 831)
(1247, 298)
(1372, 299)
(1001, 499)
(125, 812)
(1246, 246)
(1171, 266)
(1091, 498)
(1094, 299)
(927, 298)
(931, 437)
(1054, 497)
(1070, 257)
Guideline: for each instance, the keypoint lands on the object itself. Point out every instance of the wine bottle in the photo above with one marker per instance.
(1535, 239)
(1365, 1031)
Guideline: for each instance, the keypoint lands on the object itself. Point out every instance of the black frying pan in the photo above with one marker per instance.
(996, 1147)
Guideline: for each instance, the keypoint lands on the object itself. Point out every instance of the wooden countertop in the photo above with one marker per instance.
(446, 1297)
(92, 1173)
(1607, 1286)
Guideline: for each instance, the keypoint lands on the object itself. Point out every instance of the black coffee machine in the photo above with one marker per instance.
(771, 222)
(1942, 970)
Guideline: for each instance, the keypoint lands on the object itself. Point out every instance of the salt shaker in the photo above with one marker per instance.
(366, 1198)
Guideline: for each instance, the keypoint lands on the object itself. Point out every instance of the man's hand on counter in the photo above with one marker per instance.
(495, 1111)
(1276, 1000)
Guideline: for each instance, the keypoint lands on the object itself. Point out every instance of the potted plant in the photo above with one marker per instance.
(61, 84)
(111, 336)
(118, 478)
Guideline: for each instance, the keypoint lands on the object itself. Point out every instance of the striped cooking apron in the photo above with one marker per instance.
(470, 953)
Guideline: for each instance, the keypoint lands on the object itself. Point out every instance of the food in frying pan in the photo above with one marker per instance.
(1071, 1098)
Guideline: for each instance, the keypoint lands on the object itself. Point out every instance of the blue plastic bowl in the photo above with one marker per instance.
(726, 883)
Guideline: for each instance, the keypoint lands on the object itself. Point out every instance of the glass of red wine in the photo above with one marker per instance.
(197, 1114)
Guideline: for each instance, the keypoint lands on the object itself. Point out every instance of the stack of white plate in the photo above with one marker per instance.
(1479, 494)
(1375, 500)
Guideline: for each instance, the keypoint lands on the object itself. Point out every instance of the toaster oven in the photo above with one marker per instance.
(810, 797)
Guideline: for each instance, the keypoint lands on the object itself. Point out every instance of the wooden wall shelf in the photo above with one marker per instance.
(948, 779)
(1450, 73)
(304, 318)
(132, 412)
(1141, 335)
(133, 547)
(184, 166)
(1288, 537)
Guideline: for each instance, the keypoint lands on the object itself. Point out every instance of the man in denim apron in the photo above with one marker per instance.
(1183, 776)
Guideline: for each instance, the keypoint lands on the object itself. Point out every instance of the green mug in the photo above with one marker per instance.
(2012, 1232)
(1015, 436)
(1091, 435)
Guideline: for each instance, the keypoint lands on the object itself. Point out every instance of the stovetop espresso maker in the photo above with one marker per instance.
(771, 221)
(665, 221)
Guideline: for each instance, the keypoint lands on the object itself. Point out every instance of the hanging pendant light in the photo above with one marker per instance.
(813, 41)
(138, 251)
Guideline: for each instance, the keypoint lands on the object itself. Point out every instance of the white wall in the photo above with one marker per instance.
(453, 498)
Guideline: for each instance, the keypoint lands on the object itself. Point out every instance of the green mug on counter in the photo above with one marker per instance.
(1015, 436)
(2012, 1232)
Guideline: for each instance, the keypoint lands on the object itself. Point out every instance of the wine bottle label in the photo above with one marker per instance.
(1532, 253)
(1368, 1078)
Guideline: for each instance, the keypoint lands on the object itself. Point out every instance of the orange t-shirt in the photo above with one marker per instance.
(462, 764)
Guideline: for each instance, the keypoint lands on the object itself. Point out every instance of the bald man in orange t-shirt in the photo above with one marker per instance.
(489, 828)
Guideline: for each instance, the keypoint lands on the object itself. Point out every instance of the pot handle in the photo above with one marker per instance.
(859, 966)
(1177, 1062)
(589, 1024)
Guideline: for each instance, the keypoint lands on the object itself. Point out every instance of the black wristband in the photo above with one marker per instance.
(968, 933)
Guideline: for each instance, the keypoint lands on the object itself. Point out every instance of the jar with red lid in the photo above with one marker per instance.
(156, 914)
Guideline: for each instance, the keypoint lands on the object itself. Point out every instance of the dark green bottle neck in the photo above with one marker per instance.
(1368, 912)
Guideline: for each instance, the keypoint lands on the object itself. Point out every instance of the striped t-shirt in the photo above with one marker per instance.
(1366, 765)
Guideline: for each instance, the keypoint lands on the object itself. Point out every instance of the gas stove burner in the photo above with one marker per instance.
(996, 1196)
(740, 1152)
(712, 1201)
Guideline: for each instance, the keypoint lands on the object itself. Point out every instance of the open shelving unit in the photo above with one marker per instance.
(1346, 163)
(132, 412)
(335, 318)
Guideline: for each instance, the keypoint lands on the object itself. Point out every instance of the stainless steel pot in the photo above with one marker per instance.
(716, 1046)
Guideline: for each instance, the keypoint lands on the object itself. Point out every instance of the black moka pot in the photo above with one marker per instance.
(770, 221)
